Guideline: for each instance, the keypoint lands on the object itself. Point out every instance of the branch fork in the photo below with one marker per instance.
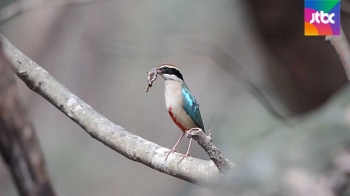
(205, 141)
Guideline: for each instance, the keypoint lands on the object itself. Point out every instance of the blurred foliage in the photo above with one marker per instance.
(298, 158)
(4, 3)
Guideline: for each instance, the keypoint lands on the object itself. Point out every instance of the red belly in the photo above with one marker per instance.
(175, 121)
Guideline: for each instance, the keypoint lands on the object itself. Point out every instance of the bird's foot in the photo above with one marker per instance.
(210, 136)
(171, 151)
(185, 155)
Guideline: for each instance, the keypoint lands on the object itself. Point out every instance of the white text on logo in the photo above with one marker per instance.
(321, 17)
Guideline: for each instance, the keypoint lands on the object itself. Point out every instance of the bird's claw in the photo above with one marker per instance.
(185, 156)
(171, 151)
(210, 136)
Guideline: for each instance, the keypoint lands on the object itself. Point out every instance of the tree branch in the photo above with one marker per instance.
(99, 127)
(19, 145)
(341, 45)
(224, 165)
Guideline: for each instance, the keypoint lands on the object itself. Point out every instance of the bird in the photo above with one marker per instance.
(181, 104)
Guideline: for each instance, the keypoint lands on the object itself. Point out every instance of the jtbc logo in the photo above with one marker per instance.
(324, 17)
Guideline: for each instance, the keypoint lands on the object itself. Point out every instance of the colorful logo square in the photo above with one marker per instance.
(321, 17)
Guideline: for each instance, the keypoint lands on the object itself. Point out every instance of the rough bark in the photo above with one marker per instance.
(19, 145)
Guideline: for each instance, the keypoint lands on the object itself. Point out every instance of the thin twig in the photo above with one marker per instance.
(341, 45)
(99, 127)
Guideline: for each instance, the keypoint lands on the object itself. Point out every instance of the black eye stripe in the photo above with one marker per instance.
(173, 71)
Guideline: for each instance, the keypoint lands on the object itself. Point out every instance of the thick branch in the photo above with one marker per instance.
(19, 145)
(341, 45)
(114, 136)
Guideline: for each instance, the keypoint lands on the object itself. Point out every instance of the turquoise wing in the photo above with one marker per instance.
(191, 106)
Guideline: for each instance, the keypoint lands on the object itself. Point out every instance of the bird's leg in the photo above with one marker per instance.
(188, 151)
(173, 149)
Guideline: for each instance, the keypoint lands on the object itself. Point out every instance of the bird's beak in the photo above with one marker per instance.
(154, 70)
(159, 71)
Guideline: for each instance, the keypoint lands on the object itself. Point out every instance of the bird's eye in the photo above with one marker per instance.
(165, 68)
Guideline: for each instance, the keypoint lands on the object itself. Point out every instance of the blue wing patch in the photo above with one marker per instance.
(191, 106)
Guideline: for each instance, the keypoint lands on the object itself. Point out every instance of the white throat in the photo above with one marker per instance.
(171, 77)
(173, 94)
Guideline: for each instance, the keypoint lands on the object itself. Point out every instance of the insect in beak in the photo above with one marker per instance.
(151, 77)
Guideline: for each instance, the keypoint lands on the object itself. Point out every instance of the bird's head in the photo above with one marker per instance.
(170, 72)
